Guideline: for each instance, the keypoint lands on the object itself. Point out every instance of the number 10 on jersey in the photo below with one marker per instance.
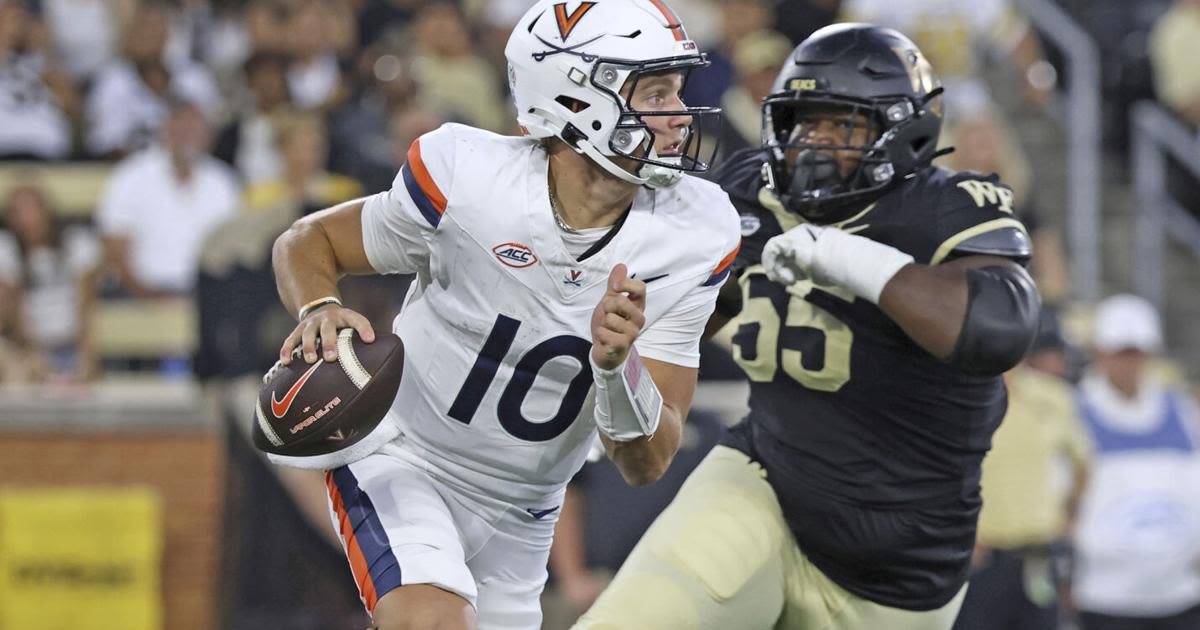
(508, 410)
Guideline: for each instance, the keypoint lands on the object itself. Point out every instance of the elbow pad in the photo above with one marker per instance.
(1002, 319)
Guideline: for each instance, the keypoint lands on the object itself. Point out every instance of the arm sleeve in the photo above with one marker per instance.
(1002, 316)
(399, 224)
(675, 337)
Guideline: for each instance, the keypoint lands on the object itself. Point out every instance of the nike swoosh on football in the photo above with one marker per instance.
(280, 407)
(538, 514)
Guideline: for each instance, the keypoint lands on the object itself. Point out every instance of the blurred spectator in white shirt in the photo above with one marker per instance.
(1138, 536)
(160, 204)
(128, 101)
(83, 33)
(37, 100)
(50, 271)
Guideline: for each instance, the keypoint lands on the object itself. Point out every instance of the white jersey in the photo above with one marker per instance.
(497, 389)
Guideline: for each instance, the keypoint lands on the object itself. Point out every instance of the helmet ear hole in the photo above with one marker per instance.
(573, 104)
(596, 125)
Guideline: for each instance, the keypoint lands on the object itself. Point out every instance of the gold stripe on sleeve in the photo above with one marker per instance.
(949, 244)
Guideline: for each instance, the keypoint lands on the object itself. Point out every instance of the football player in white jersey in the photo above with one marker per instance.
(563, 280)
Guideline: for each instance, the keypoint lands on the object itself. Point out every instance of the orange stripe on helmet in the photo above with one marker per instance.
(358, 562)
(424, 179)
(673, 21)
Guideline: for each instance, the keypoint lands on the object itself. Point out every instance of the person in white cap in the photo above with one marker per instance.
(1138, 538)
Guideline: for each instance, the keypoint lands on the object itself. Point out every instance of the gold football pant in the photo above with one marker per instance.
(721, 557)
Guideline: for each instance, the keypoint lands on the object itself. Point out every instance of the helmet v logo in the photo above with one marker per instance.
(567, 21)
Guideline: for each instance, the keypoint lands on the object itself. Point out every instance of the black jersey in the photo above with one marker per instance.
(872, 445)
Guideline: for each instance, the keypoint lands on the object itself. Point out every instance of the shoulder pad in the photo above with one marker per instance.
(1008, 242)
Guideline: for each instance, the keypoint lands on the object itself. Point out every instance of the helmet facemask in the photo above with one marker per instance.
(633, 136)
(813, 178)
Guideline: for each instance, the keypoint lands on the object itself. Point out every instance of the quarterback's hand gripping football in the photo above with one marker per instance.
(830, 256)
(324, 323)
(617, 319)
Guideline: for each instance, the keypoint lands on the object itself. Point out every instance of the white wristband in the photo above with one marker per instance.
(628, 403)
(857, 263)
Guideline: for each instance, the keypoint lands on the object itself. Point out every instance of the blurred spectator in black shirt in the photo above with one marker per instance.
(250, 142)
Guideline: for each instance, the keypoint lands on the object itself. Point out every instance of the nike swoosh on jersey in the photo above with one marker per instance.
(280, 407)
(538, 514)
(651, 278)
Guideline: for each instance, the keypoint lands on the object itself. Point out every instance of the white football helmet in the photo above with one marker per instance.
(567, 65)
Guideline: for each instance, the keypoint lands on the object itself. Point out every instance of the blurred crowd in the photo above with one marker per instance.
(254, 112)
(219, 122)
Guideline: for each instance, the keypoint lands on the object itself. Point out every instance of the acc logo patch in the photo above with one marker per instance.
(750, 224)
(514, 255)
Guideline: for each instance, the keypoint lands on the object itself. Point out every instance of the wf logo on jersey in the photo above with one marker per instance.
(514, 255)
(572, 278)
(985, 193)
(567, 21)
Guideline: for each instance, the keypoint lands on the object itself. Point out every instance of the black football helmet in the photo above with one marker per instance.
(858, 74)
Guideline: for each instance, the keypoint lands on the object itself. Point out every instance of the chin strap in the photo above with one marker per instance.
(652, 175)
(660, 176)
(587, 148)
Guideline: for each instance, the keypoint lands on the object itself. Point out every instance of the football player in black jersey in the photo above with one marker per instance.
(878, 300)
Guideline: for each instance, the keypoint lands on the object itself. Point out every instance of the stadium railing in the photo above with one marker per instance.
(1156, 137)
(1081, 116)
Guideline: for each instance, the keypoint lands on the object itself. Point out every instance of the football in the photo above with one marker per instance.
(305, 409)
